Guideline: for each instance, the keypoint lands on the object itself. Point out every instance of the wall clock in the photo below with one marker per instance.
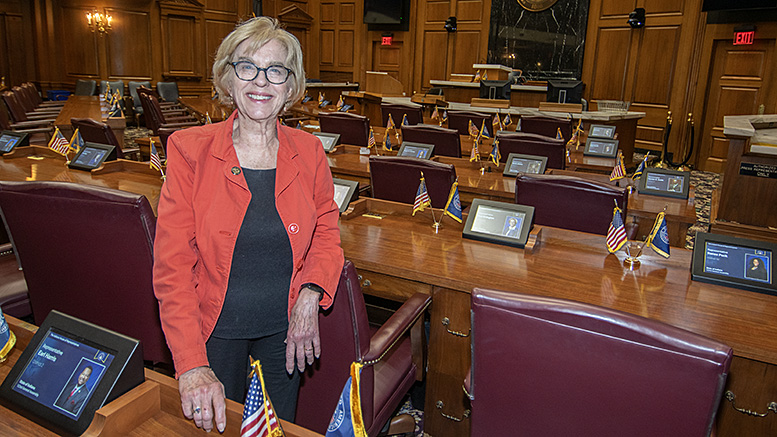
(536, 5)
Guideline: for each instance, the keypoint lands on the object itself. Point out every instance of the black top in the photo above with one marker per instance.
(258, 290)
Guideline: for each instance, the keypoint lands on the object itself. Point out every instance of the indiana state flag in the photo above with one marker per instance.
(495, 155)
(484, 130)
(659, 236)
(640, 168)
(7, 338)
(387, 142)
(347, 419)
(404, 120)
(508, 121)
(559, 136)
(453, 207)
(76, 141)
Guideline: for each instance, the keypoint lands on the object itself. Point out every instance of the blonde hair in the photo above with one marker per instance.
(258, 31)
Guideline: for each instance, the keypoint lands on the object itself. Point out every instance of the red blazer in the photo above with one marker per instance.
(201, 207)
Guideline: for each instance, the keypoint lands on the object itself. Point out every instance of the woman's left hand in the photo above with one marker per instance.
(302, 341)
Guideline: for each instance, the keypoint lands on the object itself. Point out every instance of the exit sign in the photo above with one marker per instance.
(744, 38)
(386, 40)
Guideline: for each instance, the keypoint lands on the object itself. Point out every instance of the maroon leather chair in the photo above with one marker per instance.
(19, 114)
(554, 367)
(39, 131)
(29, 102)
(14, 299)
(547, 126)
(533, 144)
(347, 337)
(164, 134)
(459, 120)
(396, 178)
(447, 142)
(39, 102)
(354, 129)
(87, 251)
(156, 118)
(398, 110)
(570, 202)
(98, 132)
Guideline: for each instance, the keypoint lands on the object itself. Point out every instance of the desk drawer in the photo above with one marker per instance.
(390, 287)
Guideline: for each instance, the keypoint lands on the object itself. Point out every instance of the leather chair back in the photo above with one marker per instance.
(547, 126)
(570, 202)
(87, 251)
(459, 120)
(97, 132)
(398, 110)
(168, 91)
(164, 133)
(152, 112)
(447, 142)
(396, 178)
(533, 144)
(133, 90)
(85, 87)
(15, 108)
(354, 129)
(580, 369)
(24, 98)
(5, 121)
(33, 91)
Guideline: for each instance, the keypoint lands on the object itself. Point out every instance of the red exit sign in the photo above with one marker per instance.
(744, 38)
(386, 40)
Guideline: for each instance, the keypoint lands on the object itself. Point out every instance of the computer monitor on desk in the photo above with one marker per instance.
(565, 91)
(495, 89)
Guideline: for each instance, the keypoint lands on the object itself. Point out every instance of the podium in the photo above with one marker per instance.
(381, 84)
(493, 71)
(747, 201)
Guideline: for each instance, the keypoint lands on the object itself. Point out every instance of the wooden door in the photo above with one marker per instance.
(340, 22)
(440, 53)
(738, 83)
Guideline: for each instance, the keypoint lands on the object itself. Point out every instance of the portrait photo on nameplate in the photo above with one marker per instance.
(601, 147)
(69, 370)
(92, 155)
(734, 262)
(346, 191)
(416, 150)
(665, 182)
(499, 222)
(520, 163)
(328, 140)
(601, 131)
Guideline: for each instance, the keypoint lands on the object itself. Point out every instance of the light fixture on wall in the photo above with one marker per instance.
(98, 22)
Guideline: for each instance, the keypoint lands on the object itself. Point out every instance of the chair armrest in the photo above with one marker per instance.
(31, 124)
(186, 124)
(396, 326)
(44, 111)
(39, 130)
(179, 119)
(42, 117)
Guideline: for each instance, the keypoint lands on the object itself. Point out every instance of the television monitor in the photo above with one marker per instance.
(10, 140)
(495, 89)
(519, 163)
(601, 147)
(499, 222)
(92, 155)
(565, 91)
(734, 262)
(726, 5)
(664, 182)
(383, 11)
(328, 140)
(416, 150)
(346, 191)
(70, 369)
(601, 131)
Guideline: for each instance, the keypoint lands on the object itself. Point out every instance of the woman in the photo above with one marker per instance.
(247, 243)
(756, 269)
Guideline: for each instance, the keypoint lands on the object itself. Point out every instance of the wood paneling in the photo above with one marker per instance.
(127, 45)
(80, 45)
(180, 45)
(610, 49)
(215, 31)
(430, 55)
(12, 65)
(228, 6)
(342, 37)
(608, 8)
(327, 48)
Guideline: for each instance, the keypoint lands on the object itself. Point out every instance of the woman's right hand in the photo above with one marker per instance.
(202, 398)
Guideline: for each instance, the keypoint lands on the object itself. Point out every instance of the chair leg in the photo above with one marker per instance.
(400, 424)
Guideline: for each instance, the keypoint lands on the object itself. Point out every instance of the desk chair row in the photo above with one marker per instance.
(100, 270)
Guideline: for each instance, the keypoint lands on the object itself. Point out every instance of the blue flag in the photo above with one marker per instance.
(453, 207)
(640, 168)
(7, 338)
(347, 419)
(659, 236)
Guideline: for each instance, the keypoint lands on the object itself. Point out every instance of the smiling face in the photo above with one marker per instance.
(756, 262)
(84, 376)
(258, 99)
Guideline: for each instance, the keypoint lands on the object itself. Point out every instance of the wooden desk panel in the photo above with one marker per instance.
(567, 264)
(151, 409)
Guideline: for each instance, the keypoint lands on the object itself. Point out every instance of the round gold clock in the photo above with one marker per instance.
(536, 5)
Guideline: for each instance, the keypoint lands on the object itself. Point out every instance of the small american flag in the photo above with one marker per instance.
(496, 123)
(371, 140)
(155, 162)
(616, 234)
(435, 114)
(473, 130)
(390, 124)
(59, 143)
(258, 414)
(618, 172)
(475, 154)
(422, 199)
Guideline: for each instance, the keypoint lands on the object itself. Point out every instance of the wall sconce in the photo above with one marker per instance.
(99, 22)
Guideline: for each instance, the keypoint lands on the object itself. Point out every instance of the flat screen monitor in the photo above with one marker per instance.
(346, 191)
(519, 163)
(328, 140)
(565, 91)
(495, 89)
(601, 131)
(416, 150)
(382, 11)
(499, 222)
(663, 182)
(92, 155)
(601, 147)
(70, 369)
(9, 140)
(734, 262)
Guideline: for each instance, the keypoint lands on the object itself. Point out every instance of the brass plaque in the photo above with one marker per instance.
(536, 5)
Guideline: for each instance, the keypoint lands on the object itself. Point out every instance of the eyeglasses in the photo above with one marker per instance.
(247, 71)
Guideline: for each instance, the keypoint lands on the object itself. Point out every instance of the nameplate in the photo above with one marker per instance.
(758, 170)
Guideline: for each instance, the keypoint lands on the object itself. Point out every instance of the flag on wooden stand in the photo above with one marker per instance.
(155, 162)
(422, 199)
(453, 207)
(619, 171)
(59, 143)
(616, 234)
(259, 419)
(659, 236)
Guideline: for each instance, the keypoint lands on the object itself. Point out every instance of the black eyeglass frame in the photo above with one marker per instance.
(260, 69)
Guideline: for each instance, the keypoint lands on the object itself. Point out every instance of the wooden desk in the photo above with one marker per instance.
(151, 409)
(576, 161)
(88, 107)
(464, 92)
(199, 106)
(399, 255)
(53, 168)
(330, 90)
